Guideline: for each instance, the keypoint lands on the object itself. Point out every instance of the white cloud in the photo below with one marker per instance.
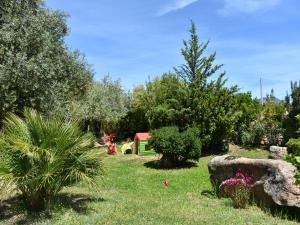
(247, 6)
(174, 5)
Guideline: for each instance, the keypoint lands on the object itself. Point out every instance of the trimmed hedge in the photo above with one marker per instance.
(176, 146)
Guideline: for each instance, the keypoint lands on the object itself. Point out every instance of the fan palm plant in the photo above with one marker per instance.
(41, 155)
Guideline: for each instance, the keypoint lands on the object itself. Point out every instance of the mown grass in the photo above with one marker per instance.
(132, 192)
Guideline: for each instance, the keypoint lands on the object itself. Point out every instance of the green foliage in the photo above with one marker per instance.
(176, 146)
(166, 99)
(39, 156)
(215, 117)
(191, 98)
(135, 120)
(103, 106)
(293, 105)
(294, 145)
(37, 70)
(160, 103)
(273, 111)
(247, 110)
(241, 197)
(262, 125)
(252, 135)
(197, 68)
(261, 132)
(192, 143)
(209, 103)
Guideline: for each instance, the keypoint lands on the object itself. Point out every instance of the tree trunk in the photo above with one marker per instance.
(35, 203)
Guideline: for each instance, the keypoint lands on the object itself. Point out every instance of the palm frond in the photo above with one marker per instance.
(41, 155)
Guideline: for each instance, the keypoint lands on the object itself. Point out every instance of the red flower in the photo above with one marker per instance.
(231, 182)
(241, 179)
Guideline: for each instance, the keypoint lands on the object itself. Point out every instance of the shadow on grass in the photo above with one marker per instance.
(209, 194)
(156, 164)
(283, 212)
(13, 210)
(77, 202)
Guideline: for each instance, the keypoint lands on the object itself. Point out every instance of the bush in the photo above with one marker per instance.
(176, 146)
(254, 134)
(294, 145)
(39, 156)
(293, 108)
(294, 158)
(262, 132)
(247, 110)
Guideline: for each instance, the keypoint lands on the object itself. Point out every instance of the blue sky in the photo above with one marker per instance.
(133, 40)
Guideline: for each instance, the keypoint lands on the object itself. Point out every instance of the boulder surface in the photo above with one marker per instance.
(273, 179)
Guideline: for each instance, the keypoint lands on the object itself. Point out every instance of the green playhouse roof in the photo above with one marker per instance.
(142, 136)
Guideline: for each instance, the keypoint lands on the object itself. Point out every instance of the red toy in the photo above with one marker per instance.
(110, 137)
(111, 149)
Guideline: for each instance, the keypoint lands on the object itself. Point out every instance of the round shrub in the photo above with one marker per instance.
(176, 146)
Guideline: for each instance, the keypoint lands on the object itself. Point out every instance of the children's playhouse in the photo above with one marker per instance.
(141, 144)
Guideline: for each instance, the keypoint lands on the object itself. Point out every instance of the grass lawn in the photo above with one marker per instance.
(132, 192)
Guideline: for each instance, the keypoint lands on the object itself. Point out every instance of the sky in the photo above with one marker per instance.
(134, 40)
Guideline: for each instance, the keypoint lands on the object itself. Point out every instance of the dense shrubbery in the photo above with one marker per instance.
(247, 111)
(39, 156)
(167, 97)
(294, 157)
(176, 146)
(262, 132)
(259, 124)
(294, 145)
(135, 120)
(252, 135)
(220, 113)
(293, 108)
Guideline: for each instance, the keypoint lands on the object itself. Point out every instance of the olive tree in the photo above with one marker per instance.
(37, 69)
(105, 103)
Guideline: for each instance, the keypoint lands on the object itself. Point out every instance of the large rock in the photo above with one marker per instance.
(273, 179)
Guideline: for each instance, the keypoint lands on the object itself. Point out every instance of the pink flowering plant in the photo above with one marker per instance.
(238, 188)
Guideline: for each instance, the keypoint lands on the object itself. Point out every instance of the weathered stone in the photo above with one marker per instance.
(273, 179)
(277, 152)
